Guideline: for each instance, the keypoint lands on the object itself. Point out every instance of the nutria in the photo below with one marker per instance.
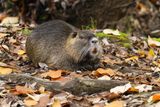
(62, 46)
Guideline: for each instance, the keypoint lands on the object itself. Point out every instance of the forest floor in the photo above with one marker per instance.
(131, 61)
(138, 64)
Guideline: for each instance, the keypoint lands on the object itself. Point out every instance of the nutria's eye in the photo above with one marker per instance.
(74, 34)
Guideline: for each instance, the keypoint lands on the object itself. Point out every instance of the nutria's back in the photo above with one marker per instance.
(62, 46)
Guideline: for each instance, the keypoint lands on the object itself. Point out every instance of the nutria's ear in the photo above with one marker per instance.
(73, 34)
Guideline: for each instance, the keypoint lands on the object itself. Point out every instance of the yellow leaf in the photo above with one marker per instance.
(116, 104)
(141, 53)
(151, 54)
(133, 58)
(30, 102)
(21, 52)
(156, 63)
(56, 103)
(133, 89)
(4, 70)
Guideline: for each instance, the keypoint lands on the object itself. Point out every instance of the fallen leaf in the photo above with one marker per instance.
(3, 35)
(121, 89)
(56, 103)
(4, 71)
(30, 102)
(94, 100)
(98, 105)
(36, 97)
(2, 16)
(5, 47)
(108, 71)
(62, 97)
(144, 88)
(3, 64)
(9, 20)
(21, 52)
(116, 104)
(133, 89)
(43, 101)
(151, 55)
(111, 31)
(5, 103)
(154, 98)
(133, 58)
(12, 40)
(52, 73)
(41, 89)
(141, 53)
(105, 77)
(24, 90)
(157, 63)
(152, 42)
(108, 60)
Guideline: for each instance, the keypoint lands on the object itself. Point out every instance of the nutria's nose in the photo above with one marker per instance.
(94, 40)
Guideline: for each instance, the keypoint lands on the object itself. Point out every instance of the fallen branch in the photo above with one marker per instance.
(75, 86)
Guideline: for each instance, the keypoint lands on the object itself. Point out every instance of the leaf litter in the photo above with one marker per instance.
(139, 64)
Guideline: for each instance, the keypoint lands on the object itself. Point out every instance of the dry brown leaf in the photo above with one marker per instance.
(74, 75)
(156, 97)
(5, 47)
(2, 16)
(43, 101)
(12, 40)
(3, 35)
(63, 80)
(56, 103)
(141, 53)
(108, 71)
(24, 90)
(133, 90)
(4, 70)
(52, 73)
(116, 104)
(9, 20)
(98, 105)
(111, 61)
(30, 102)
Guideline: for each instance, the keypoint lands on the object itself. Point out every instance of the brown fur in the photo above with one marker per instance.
(62, 46)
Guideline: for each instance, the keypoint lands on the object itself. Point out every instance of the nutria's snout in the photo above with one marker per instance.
(94, 51)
